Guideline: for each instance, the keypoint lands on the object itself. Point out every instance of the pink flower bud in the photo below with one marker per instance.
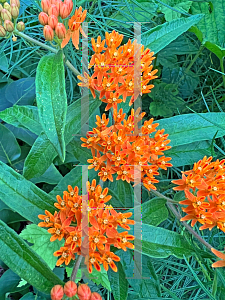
(53, 10)
(95, 296)
(84, 292)
(58, 3)
(14, 11)
(8, 25)
(69, 3)
(70, 289)
(64, 11)
(1, 8)
(48, 33)
(5, 14)
(20, 26)
(60, 31)
(7, 6)
(43, 18)
(57, 292)
(2, 31)
(52, 21)
(17, 2)
(45, 4)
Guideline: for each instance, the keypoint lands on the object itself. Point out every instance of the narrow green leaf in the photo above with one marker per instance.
(21, 259)
(51, 176)
(160, 36)
(9, 147)
(118, 282)
(3, 62)
(8, 282)
(80, 153)
(52, 99)
(160, 242)
(22, 195)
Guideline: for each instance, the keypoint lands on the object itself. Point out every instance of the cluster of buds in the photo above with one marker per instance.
(52, 11)
(204, 188)
(98, 231)
(116, 70)
(7, 13)
(124, 149)
(83, 292)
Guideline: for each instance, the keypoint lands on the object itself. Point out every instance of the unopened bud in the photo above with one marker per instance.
(20, 26)
(5, 14)
(7, 6)
(53, 10)
(2, 31)
(14, 11)
(57, 292)
(58, 3)
(8, 25)
(70, 289)
(60, 31)
(48, 33)
(43, 18)
(95, 296)
(84, 292)
(1, 7)
(45, 4)
(52, 21)
(64, 11)
(17, 2)
(69, 3)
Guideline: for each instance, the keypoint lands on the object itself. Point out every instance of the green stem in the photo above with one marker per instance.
(222, 70)
(31, 40)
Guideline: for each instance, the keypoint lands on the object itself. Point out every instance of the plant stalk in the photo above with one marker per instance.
(76, 267)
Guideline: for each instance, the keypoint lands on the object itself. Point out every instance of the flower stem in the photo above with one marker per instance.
(178, 216)
(76, 267)
(222, 70)
(28, 38)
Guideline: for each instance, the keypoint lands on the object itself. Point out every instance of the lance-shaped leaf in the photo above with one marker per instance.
(22, 260)
(118, 282)
(22, 195)
(52, 100)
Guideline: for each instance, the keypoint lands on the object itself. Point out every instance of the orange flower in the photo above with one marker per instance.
(48, 219)
(220, 263)
(108, 260)
(75, 28)
(65, 254)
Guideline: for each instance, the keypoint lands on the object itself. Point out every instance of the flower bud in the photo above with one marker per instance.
(95, 296)
(69, 3)
(14, 11)
(48, 33)
(43, 18)
(53, 10)
(7, 6)
(17, 2)
(52, 21)
(84, 292)
(60, 31)
(45, 4)
(2, 31)
(8, 25)
(64, 11)
(20, 26)
(57, 292)
(70, 289)
(58, 3)
(1, 8)
(5, 14)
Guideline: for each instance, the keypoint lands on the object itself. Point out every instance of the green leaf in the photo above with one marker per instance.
(9, 217)
(177, 7)
(189, 128)
(21, 259)
(188, 154)
(160, 242)
(24, 135)
(22, 117)
(146, 284)
(8, 282)
(3, 62)
(211, 29)
(80, 153)
(160, 36)
(22, 195)
(43, 153)
(51, 176)
(9, 147)
(40, 237)
(118, 282)
(52, 100)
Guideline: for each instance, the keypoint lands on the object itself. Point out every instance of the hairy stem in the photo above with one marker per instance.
(178, 216)
(31, 40)
(76, 267)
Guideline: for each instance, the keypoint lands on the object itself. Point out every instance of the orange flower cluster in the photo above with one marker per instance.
(207, 204)
(114, 70)
(120, 147)
(100, 229)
